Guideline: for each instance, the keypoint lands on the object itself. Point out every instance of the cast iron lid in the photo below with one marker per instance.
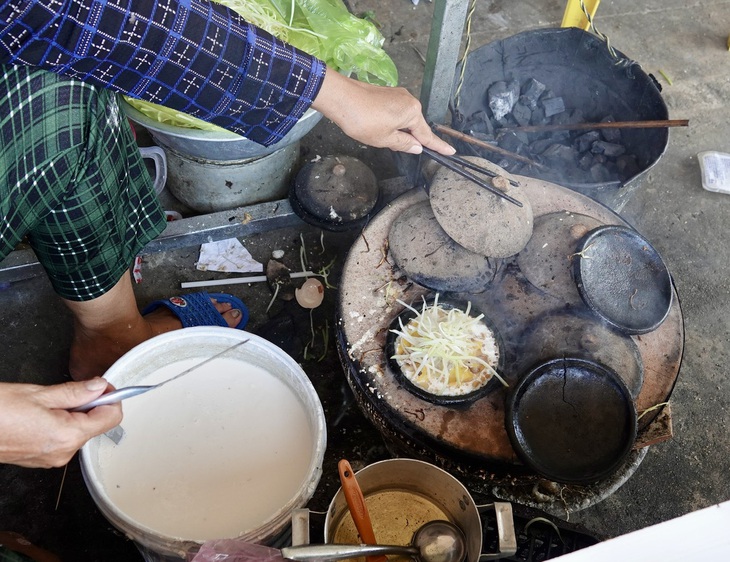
(336, 193)
(443, 400)
(571, 420)
(622, 278)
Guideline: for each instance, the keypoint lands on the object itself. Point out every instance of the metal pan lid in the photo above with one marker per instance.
(335, 193)
(623, 279)
(571, 420)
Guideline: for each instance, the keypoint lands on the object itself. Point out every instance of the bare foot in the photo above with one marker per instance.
(95, 348)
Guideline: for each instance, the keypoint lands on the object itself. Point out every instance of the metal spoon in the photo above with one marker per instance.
(435, 541)
(127, 392)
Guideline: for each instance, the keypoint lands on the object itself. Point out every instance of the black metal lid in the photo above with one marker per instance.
(622, 278)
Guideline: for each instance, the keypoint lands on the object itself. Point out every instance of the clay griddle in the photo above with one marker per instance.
(431, 257)
(547, 260)
(579, 333)
(474, 438)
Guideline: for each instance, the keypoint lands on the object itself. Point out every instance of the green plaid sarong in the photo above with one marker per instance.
(72, 180)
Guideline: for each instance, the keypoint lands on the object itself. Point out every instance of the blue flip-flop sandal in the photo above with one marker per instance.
(196, 309)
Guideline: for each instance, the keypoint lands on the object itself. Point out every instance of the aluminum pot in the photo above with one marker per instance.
(216, 145)
(421, 479)
(209, 186)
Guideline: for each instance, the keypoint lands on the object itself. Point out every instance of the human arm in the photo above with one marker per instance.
(377, 115)
(190, 55)
(203, 59)
(38, 431)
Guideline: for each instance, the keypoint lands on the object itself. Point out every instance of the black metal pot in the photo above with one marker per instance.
(579, 68)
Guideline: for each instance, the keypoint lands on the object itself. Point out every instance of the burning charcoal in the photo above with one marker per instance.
(586, 161)
(609, 149)
(522, 114)
(531, 92)
(479, 122)
(507, 164)
(627, 166)
(486, 137)
(562, 118)
(507, 122)
(584, 142)
(553, 106)
(610, 135)
(600, 174)
(541, 145)
(613, 170)
(576, 117)
(538, 117)
(561, 136)
(502, 97)
(559, 156)
(512, 141)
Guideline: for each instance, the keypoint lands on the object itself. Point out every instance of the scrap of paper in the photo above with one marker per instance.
(227, 256)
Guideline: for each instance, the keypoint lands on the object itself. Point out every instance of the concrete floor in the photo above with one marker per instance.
(675, 41)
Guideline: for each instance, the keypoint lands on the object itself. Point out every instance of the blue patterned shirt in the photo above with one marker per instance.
(190, 55)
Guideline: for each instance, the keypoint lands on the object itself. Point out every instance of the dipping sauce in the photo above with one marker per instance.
(211, 455)
(395, 514)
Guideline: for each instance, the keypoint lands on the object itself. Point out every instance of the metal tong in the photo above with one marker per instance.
(128, 391)
(462, 167)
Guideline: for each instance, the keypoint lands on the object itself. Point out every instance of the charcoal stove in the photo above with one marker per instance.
(473, 442)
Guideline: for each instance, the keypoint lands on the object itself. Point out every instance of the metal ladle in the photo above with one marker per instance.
(435, 541)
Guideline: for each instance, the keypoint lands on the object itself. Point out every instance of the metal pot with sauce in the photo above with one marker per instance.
(401, 495)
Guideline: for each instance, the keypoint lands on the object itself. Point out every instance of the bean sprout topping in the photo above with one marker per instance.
(445, 351)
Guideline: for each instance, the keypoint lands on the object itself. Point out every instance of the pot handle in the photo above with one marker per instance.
(325, 552)
(505, 532)
(158, 156)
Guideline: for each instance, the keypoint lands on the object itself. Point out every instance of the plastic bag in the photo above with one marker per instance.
(327, 30)
(350, 44)
(236, 550)
(322, 28)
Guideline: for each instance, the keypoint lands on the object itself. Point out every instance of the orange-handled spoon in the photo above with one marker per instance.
(358, 509)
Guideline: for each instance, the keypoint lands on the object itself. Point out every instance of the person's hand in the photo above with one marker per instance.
(377, 115)
(38, 431)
